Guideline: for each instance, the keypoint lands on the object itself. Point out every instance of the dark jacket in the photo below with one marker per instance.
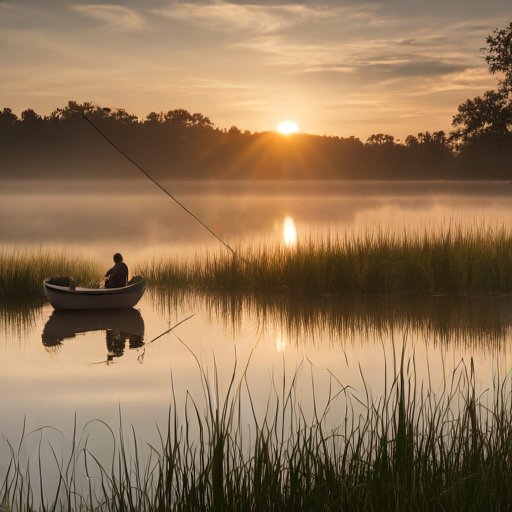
(117, 276)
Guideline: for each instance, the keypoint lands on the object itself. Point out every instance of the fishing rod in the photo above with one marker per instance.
(140, 358)
(157, 184)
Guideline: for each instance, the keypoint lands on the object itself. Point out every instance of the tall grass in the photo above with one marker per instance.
(407, 449)
(22, 272)
(450, 260)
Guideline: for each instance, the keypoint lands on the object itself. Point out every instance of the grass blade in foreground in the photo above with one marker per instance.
(410, 449)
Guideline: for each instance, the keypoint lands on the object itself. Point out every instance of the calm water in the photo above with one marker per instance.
(58, 365)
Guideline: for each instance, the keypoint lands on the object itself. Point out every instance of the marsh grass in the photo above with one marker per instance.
(450, 260)
(22, 272)
(409, 448)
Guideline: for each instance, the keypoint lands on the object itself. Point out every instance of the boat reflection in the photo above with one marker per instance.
(120, 325)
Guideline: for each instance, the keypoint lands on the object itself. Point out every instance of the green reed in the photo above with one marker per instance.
(22, 272)
(453, 260)
(408, 449)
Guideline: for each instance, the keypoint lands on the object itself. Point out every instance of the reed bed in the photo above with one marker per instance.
(408, 449)
(22, 272)
(453, 260)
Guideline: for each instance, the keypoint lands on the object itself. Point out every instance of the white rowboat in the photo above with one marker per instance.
(71, 297)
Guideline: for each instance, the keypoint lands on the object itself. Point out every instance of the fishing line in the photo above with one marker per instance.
(140, 358)
(156, 183)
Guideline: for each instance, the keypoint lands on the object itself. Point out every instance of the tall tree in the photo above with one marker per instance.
(499, 56)
(8, 116)
(380, 139)
(491, 115)
(120, 114)
(74, 110)
(30, 116)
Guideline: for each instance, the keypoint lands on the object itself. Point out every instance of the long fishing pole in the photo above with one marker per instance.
(157, 184)
(140, 358)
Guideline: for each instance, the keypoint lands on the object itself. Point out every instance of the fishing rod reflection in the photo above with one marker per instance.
(121, 326)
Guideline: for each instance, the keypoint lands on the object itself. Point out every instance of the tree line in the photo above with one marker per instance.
(184, 146)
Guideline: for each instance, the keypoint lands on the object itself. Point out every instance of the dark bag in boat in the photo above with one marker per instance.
(63, 281)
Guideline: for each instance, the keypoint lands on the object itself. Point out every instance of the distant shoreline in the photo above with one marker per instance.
(365, 188)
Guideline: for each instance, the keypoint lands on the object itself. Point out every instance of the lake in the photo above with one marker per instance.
(57, 369)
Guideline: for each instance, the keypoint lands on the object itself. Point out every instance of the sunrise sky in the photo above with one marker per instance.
(335, 67)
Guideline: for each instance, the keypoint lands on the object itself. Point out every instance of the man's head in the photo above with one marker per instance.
(117, 258)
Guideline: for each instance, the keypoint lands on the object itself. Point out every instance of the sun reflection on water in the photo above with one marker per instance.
(280, 343)
(289, 232)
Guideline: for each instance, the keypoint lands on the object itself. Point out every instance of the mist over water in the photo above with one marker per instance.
(136, 218)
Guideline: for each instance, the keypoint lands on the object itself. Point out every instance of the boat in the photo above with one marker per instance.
(63, 293)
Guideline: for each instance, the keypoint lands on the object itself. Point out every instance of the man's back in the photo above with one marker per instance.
(117, 276)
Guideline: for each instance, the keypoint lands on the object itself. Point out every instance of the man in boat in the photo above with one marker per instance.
(117, 276)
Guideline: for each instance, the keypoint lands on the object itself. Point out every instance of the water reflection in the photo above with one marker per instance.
(121, 326)
(291, 320)
(241, 212)
(289, 232)
(280, 343)
(475, 322)
(19, 318)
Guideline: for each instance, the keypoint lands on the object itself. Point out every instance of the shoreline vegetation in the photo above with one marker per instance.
(452, 260)
(22, 272)
(180, 146)
(447, 261)
(410, 448)
(451, 284)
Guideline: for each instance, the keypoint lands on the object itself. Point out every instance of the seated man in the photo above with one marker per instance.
(117, 276)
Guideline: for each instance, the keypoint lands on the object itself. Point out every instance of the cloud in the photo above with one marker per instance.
(250, 18)
(470, 79)
(222, 16)
(115, 16)
(249, 62)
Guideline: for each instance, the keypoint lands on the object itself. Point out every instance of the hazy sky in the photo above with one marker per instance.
(341, 67)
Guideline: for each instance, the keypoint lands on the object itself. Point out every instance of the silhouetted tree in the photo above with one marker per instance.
(7, 116)
(30, 116)
(499, 56)
(75, 110)
(153, 117)
(490, 117)
(380, 138)
(200, 121)
(120, 114)
(431, 153)
(491, 114)
(180, 145)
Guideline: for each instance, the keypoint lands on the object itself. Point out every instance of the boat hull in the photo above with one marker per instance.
(62, 297)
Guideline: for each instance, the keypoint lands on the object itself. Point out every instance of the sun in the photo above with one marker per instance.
(287, 127)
